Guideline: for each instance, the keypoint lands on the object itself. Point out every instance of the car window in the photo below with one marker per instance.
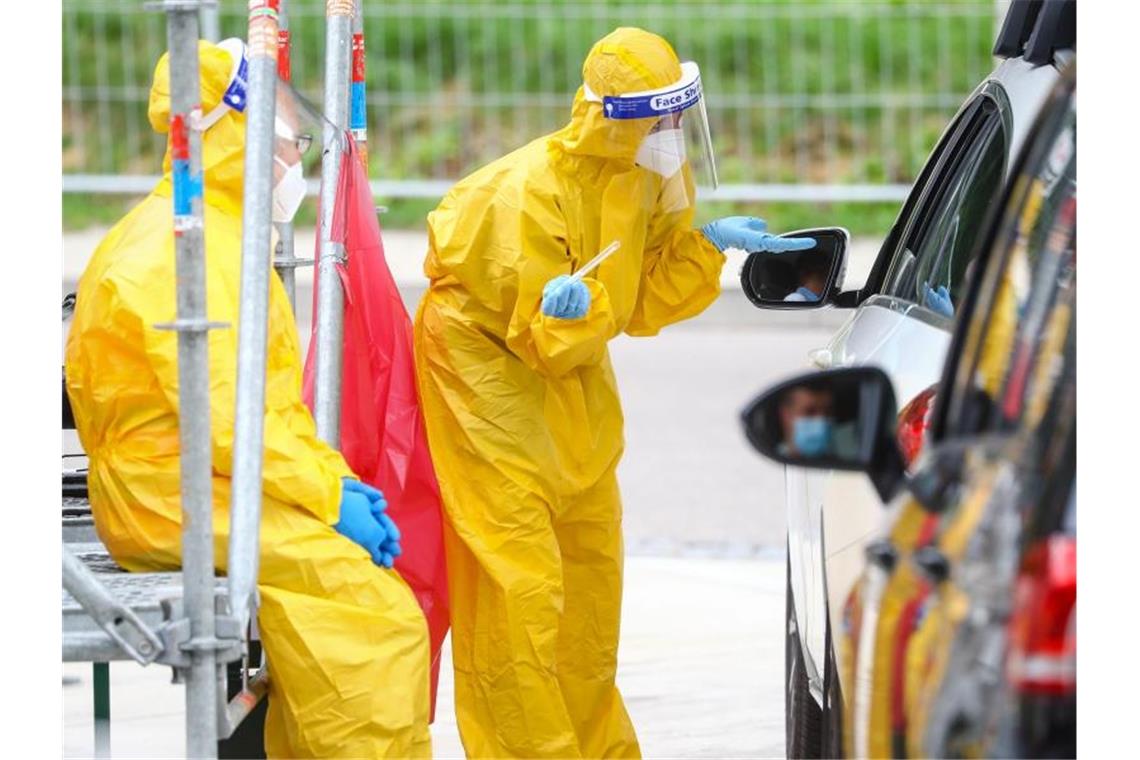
(1021, 344)
(931, 266)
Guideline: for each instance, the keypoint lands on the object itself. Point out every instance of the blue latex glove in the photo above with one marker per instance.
(748, 233)
(938, 300)
(374, 494)
(565, 299)
(358, 523)
(390, 549)
(390, 546)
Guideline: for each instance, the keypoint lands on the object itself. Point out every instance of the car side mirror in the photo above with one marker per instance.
(798, 279)
(839, 419)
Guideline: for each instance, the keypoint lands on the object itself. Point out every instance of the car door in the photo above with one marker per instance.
(896, 329)
(1001, 444)
(931, 249)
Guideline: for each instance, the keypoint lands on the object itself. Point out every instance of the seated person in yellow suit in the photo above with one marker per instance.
(520, 399)
(346, 641)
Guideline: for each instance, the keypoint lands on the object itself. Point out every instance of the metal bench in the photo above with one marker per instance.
(116, 615)
(78, 524)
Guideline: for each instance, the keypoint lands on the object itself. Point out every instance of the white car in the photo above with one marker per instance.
(901, 322)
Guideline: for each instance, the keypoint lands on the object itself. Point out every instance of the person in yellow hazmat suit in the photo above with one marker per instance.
(521, 404)
(345, 639)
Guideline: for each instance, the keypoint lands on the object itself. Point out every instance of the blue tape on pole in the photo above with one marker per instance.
(359, 111)
(648, 106)
(186, 188)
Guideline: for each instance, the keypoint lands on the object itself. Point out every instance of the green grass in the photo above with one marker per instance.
(454, 85)
(82, 210)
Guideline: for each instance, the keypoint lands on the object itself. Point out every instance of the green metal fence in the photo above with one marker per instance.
(806, 99)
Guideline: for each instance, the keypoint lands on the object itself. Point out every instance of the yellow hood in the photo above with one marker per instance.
(626, 60)
(223, 144)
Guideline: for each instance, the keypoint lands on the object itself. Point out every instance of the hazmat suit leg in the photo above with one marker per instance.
(532, 651)
(346, 643)
(588, 528)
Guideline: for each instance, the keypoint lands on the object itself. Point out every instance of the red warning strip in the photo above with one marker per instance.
(179, 138)
(284, 62)
(358, 57)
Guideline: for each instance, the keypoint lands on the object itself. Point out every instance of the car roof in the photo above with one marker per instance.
(1025, 86)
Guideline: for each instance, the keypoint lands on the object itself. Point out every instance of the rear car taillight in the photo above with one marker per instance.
(914, 420)
(1043, 630)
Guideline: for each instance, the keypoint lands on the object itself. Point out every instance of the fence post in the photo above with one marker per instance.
(253, 315)
(193, 378)
(101, 675)
(330, 297)
(209, 21)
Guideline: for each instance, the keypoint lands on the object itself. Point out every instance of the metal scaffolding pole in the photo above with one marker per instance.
(330, 297)
(193, 379)
(253, 315)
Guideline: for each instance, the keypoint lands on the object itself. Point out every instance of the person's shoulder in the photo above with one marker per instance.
(794, 296)
(512, 169)
(507, 184)
(136, 248)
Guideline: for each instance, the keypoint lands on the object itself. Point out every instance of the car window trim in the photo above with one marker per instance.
(931, 169)
(983, 126)
(977, 304)
(950, 149)
(987, 126)
(910, 309)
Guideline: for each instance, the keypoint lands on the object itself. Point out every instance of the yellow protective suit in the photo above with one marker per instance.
(346, 641)
(523, 416)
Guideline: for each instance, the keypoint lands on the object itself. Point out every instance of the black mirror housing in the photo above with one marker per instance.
(839, 419)
(798, 279)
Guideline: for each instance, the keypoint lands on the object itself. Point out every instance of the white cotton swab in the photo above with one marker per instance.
(593, 263)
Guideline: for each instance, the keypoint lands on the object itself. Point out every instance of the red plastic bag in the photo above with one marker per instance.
(381, 429)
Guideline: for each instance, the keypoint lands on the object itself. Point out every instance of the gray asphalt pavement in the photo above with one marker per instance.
(691, 483)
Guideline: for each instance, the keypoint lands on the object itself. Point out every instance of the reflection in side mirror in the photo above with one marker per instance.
(840, 419)
(798, 279)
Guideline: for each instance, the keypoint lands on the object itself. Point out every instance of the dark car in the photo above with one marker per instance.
(959, 638)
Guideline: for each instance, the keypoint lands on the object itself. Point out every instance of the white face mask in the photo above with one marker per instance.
(289, 192)
(662, 152)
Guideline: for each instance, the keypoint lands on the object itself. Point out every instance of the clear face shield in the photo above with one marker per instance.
(298, 124)
(680, 134)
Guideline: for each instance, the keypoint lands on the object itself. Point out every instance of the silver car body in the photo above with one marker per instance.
(831, 514)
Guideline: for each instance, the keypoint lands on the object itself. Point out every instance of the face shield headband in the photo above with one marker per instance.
(237, 93)
(681, 102)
